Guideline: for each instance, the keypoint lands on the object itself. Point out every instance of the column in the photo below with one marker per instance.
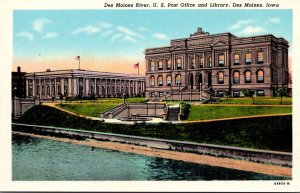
(62, 85)
(95, 86)
(106, 88)
(33, 87)
(40, 87)
(70, 87)
(27, 88)
(213, 58)
(87, 86)
(55, 91)
(115, 87)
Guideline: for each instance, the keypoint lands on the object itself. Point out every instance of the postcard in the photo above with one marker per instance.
(149, 95)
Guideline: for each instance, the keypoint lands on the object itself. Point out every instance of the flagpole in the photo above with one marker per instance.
(79, 63)
(139, 69)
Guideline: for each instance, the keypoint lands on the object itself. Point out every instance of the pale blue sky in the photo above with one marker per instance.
(126, 33)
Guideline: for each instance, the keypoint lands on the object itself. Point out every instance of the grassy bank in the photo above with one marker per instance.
(271, 133)
(257, 100)
(217, 112)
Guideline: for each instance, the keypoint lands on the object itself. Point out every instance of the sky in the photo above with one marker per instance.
(115, 40)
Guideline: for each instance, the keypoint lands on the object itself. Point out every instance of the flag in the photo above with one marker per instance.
(136, 65)
(77, 58)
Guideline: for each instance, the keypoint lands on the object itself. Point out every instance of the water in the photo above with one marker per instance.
(42, 159)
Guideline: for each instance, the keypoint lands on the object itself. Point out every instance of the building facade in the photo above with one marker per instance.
(218, 63)
(18, 81)
(83, 83)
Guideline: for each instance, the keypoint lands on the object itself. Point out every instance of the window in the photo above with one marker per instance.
(220, 78)
(236, 59)
(169, 65)
(178, 79)
(151, 94)
(160, 94)
(220, 93)
(160, 81)
(260, 93)
(260, 76)
(248, 58)
(209, 61)
(151, 81)
(178, 63)
(192, 61)
(58, 90)
(260, 57)
(152, 65)
(247, 77)
(169, 80)
(201, 62)
(236, 77)
(236, 93)
(221, 60)
(160, 65)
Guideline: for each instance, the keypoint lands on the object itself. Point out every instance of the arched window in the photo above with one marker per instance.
(220, 77)
(160, 65)
(152, 81)
(248, 58)
(221, 60)
(248, 77)
(169, 65)
(209, 61)
(260, 76)
(236, 77)
(169, 80)
(152, 63)
(178, 79)
(160, 81)
(260, 57)
(178, 63)
(236, 59)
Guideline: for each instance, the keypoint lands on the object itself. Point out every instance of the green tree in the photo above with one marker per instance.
(282, 92)
(249, 93)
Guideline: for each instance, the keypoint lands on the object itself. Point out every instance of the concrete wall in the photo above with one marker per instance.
(274, 157)
(20, 106)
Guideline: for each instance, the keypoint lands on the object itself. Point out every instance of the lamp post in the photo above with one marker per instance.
(13, 100)
(200, 89)
(124, 97)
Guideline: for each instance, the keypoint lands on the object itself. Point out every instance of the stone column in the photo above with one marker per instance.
(27, 87)
(40, 87)
(213, 58)
(33, 87)
(62, 86)
(70, 87)
(106, 91)
(95, 86)
(115, 92)
(87, 86)
(55, 86)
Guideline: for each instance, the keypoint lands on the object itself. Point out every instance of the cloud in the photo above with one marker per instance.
(129, 32)
(274, 20)
(39, 24)
(160, 36)
(129, 39)
(239, 24)
(25, 34)
(115, 37)
(107, 33)
(51, 35)
(105, 24)
(88, 30)
(250, 30)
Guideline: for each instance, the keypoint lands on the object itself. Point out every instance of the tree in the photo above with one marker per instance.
(282, 92)
(227, 93)
(249, 93)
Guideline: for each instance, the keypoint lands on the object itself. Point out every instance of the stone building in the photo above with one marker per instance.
(18, 82)
(83, 83)
(218, 63)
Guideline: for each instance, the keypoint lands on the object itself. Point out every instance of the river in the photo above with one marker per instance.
(36, 159)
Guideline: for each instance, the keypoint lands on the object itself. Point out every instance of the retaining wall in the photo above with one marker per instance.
(274, 157)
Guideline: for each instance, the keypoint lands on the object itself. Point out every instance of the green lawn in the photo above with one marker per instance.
(216, 112)
(257, 100)
(94, 108)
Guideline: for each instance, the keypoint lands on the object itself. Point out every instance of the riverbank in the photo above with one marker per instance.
(181, 156)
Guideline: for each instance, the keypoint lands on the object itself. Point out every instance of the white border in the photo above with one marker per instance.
(6, 50)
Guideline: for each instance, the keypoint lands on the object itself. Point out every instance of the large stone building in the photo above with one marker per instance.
(83, 83)
(219, 63)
